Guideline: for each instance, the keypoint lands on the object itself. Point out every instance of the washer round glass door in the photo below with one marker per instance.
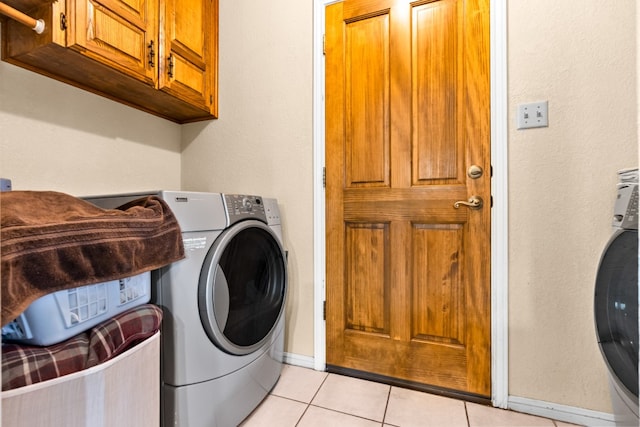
(242, 287)
(616, 308)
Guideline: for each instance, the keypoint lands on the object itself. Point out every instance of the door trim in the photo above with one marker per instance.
(499, 190)
(500, 210)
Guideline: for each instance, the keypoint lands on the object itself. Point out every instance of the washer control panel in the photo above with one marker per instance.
(241, 206)
(625, 213)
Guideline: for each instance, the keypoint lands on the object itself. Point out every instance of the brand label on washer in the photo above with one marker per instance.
(194, 243)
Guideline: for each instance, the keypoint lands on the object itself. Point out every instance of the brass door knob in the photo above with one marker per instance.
(474, 202)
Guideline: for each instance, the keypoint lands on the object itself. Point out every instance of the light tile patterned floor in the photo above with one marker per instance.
(307, 398)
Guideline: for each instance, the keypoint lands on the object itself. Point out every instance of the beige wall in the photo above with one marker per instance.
(56, 137)
(578, 54)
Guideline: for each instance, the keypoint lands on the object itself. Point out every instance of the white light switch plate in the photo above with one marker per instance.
(533, 115)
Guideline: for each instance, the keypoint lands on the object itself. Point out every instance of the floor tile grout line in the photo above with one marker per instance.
(302, 415)
(301, 401)
(326, 377)
(466, 414)
(384, 415)
(291, 399)
(310, 400)
(348, 413)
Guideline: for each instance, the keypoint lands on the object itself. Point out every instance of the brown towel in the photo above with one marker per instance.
(52, 241)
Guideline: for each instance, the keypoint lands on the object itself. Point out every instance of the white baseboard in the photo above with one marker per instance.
(556, 411)
(299, 360)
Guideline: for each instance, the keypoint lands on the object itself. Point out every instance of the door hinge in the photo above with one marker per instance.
(324, 310)
(324, 44)
(324, 177)
(491, 201)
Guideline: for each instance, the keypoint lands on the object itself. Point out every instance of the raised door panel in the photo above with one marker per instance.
(437, 288)
(188, 65)
(122, 34)
(367, 109)
(367, 291)
(437, 119)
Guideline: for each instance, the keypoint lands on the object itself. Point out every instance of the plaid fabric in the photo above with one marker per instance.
(24, 365)
(111, 338)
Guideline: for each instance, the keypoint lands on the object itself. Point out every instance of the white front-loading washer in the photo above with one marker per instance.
(616, 319)
(616, 306)
(223, 326)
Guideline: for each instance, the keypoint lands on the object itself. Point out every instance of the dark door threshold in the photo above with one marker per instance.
(455, 394)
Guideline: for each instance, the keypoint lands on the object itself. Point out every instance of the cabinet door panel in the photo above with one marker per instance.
(189, 47)
(119, 33)
(189, 77)
(188, 31)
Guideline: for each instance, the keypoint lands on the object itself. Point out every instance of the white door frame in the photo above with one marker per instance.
(499, 190)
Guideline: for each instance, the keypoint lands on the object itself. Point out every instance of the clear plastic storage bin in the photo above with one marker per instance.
(60, 315)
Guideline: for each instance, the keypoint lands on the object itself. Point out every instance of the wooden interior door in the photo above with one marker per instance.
(407, 115)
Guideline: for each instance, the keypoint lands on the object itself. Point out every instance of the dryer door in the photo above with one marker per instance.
(616, 309)
(242, 287)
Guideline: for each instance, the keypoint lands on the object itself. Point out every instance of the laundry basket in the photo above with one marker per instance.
(58, 316)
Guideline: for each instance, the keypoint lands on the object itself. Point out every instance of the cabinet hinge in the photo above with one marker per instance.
(63, 21)
(324, 177)
(324, 44)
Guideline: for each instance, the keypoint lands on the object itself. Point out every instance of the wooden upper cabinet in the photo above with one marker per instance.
(189, 30)
(159, 56)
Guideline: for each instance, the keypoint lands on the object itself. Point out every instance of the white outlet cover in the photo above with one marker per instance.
(533, 115)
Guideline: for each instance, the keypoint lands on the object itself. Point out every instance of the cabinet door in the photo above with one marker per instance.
(122, 34)
(188, 68)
